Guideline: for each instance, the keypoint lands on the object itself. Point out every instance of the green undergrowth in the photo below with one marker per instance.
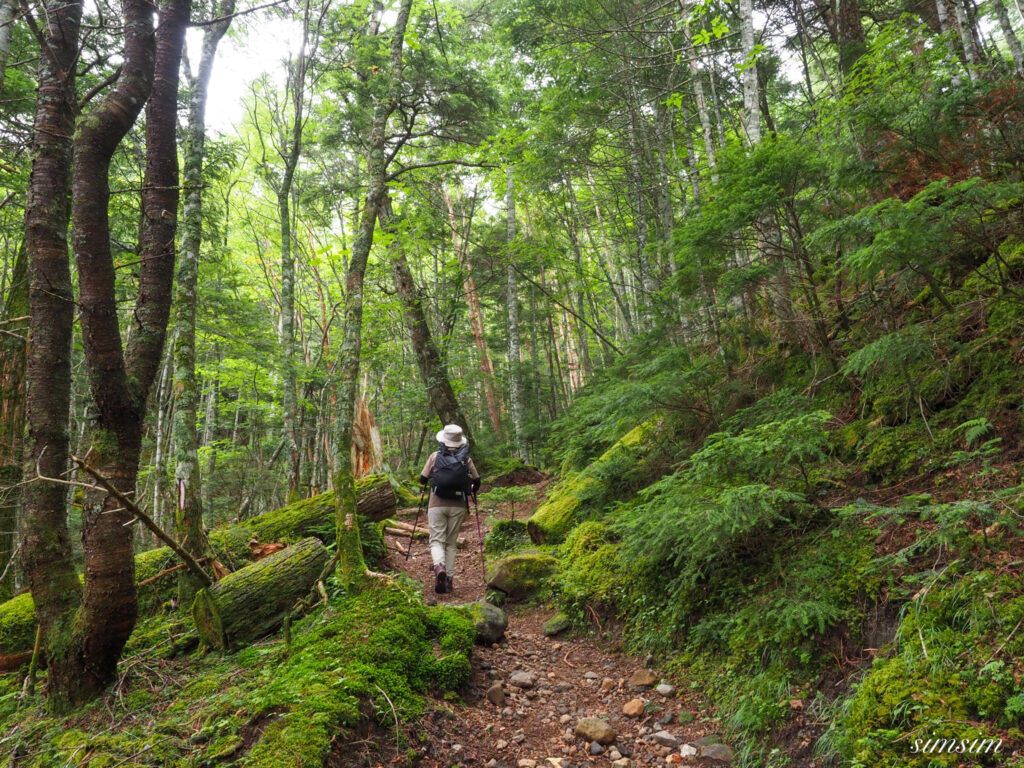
(361, 661)
(813, 621)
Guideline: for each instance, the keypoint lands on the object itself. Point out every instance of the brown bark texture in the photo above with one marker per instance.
(120, 380)
(254, 601)
(46, 545)
(432, 369)
(13, 350)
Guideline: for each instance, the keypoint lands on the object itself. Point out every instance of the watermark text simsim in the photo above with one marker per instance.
(978, 746)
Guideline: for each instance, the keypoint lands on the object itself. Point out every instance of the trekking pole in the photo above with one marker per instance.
(480, 539)
(419, 508)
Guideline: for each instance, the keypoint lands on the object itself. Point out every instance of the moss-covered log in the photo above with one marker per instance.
(249, 603)
(618, 472)
(309, 517)
(375, 501)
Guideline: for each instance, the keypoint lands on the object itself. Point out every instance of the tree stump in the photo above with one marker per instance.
(253, 601)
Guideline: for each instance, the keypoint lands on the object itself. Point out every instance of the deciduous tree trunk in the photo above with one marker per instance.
(46, 553)
(517, 401)
(351, 564)
(120, 380)
(7, 11)
(13, 336)
(428, 359)
(1010, 35)
(751, 110)
(188, 504)
(460, 241)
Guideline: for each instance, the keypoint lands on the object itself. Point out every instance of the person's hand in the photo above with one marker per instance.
(424, 480)
(475, 484)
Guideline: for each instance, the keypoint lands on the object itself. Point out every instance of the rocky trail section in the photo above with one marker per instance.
(540, 701)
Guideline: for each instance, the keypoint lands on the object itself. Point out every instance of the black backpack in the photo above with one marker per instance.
(450, 478)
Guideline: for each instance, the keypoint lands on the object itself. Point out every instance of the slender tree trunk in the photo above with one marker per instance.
(290, 148)
(609, 264)
(517, 404)
(751, 110)
(8, 8)
(460, 242)
(967, 38)
(432, 369)
(188, 497)
(46, 553)
(13, 351)
(351, 564)
(1010, 35)
(647, 284)
(164, 406)
(702, 103)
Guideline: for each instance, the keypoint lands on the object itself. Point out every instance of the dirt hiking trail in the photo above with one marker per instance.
(548, 702)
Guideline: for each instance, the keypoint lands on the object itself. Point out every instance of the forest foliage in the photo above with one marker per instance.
(746, 276)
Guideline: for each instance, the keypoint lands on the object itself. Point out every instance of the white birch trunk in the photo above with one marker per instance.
(1010, 35)
(7, 9)
(751, 112)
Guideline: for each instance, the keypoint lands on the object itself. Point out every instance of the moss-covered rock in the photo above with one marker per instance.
(489, 621)
(504, 536)
(17, 624)
(556, 625)
(520, 576)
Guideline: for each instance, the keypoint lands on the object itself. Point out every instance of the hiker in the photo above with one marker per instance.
(452, 478)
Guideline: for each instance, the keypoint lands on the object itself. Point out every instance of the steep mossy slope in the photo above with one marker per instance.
(834, 559)
(360, 661)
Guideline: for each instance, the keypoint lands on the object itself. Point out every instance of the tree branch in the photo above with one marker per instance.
(572, 312)
(146, 520)
(246, 12)
(91, 93)
(416, 166)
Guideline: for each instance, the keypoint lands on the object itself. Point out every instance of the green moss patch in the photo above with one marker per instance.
(505, 536)
(616, 474)
(368, 656)
(953, 672)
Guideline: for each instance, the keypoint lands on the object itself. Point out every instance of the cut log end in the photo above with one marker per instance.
(253, 601)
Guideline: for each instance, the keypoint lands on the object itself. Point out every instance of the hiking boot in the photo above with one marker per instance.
(440, 580)
(450, 585)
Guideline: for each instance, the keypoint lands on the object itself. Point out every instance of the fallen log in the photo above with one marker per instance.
(375, 500)
(253, 601)
(420, 534)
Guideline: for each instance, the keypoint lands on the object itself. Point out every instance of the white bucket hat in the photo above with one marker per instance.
(452, 436)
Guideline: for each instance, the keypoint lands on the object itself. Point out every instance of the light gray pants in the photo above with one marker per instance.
(443, 524)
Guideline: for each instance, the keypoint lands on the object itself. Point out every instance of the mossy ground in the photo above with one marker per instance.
(372, 657)
(838, 586)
